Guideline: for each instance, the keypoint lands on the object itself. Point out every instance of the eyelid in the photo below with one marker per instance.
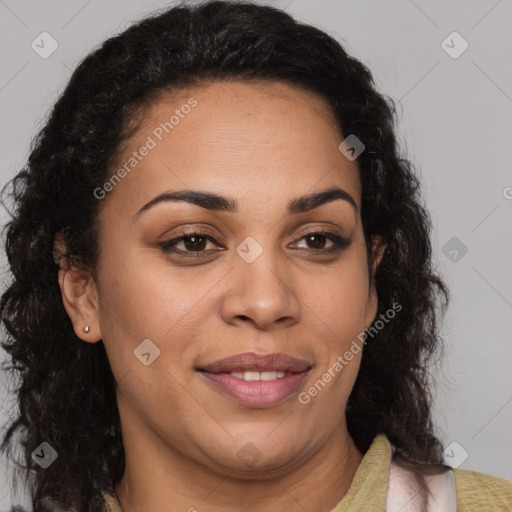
(339, 242)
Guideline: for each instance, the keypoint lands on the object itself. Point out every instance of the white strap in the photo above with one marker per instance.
(404, 496)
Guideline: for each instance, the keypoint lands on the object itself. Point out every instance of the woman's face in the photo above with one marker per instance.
(258, 279)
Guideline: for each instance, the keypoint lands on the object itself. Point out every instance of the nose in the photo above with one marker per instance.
(261, 293)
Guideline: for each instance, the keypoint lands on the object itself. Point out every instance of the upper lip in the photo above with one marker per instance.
(250, 361)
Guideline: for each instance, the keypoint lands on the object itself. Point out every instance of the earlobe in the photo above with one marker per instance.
(371, 310)
(378, 249)
(80, 300)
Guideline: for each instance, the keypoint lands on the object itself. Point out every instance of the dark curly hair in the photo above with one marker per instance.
(65, 389)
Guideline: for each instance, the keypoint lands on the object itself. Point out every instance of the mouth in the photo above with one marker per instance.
(254, 375)
(255, 380)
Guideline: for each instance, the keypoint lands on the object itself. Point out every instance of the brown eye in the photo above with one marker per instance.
(192, 243)
(316, 242)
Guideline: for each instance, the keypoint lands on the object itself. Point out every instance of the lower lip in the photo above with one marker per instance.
(256, 393)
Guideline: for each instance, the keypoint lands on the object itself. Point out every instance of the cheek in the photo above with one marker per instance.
(143, 298)
(340, 299)
(339, 305)
(138, 304)
(142, 295)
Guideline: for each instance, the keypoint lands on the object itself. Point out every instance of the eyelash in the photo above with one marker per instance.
(339, 242)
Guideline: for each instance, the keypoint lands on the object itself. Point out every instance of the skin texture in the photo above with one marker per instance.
(262, 144)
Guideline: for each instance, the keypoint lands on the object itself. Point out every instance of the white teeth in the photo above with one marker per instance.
(251, 376)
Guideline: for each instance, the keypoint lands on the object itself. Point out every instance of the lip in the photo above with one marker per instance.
(249, 361)
(259, 394)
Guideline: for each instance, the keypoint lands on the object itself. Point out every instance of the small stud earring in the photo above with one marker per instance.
(86, 329)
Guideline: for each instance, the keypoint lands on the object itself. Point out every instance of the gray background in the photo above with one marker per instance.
(454, 121)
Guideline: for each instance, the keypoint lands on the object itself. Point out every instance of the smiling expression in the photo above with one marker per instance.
(238, 233)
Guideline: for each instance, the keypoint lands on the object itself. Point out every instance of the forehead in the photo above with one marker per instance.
(247, 138)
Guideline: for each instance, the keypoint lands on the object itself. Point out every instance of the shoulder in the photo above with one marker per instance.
(478, 491)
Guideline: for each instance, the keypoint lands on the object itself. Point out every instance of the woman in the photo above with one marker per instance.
(223, 297)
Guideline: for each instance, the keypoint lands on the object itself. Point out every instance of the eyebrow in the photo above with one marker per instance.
(215, 202)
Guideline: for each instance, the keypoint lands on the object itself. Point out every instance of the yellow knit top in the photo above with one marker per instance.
(476, 492)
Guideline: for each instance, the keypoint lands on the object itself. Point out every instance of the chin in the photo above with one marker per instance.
(257, 458)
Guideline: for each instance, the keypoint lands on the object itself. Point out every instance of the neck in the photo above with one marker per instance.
(157, 475)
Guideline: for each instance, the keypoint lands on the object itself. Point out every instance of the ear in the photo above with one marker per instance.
(79, 296)
(378, 249)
